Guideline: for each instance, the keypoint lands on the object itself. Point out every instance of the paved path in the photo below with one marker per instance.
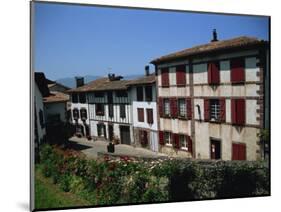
(91, 148)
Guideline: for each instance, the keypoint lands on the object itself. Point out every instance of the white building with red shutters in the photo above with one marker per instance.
(211, 99)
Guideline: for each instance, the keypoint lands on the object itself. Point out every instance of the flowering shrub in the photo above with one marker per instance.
(111, 180)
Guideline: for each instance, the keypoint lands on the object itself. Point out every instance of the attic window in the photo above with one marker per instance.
(121, 94)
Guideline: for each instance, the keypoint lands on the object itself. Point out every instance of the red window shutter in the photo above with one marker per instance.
(206, 109)
(240, 111)
(176, 141)
(174, 107)
(213, 73)
(189, 143)
(140, 115)
(165, 77)
(149, 114)
(161, 137)
(242, 152)
(188, 108)
(237, 70)
(222, 109)
(233, 111)
(235, 151)
(180, 75)
(160, 107)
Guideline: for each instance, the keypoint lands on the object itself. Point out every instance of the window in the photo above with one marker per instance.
(166, 107)
(121, 94)
(41, 118)
(173, 107)
(140, 114)
(238, 111)
(165, 77)
(122, 111)
(161, 137)
(100, 109)
(183, 142)
(82, 98)
(238, 151)
(160, 106)
(167, 138)
(180, 75)
(148, 93)
(215, 110)
(237, 70)
(75, 114)
(110, 110)
(99, 94)
(139, 94)
(74, 98)
(149, 114)
(83, 113)
(182, 107)
(213, 73)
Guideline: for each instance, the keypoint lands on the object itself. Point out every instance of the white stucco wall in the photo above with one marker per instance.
(38, 100)
(80, 106)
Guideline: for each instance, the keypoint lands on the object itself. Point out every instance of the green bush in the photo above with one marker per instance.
(135, 181)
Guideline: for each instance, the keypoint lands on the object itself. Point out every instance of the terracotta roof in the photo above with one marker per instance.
(56, 96)
(143, 80)
(237, 42)
(102, 84)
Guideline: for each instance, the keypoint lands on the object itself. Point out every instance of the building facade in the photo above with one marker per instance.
(144, 112)
(211, 100)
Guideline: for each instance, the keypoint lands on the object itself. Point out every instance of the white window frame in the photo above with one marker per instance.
(182, 108)
(185, 146)
(215, 110)
(169, 143)
(167, 111)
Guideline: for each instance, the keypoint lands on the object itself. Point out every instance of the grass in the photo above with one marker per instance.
(49, 195)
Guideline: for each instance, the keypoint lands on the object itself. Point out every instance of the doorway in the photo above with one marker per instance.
(125, 135)
(215, 149)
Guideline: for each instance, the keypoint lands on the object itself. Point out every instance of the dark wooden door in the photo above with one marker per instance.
(238, 152)
(215, 149)
(125, 135)
(110, 132)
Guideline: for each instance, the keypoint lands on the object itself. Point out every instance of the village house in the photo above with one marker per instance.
(106, 109)
(144, 111)
(211, 99)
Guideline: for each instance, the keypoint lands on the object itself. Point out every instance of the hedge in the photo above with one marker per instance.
(127, 180)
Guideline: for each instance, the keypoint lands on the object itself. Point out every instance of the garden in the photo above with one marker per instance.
(126, 180)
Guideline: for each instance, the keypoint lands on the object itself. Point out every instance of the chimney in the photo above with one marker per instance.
(146, 70)
(215, 36)
(79, 81)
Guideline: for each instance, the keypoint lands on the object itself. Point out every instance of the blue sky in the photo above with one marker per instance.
(71, 40)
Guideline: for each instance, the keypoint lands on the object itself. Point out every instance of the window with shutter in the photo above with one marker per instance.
(174, 107)
(99, 109)
(180, 75)
(176, 143)
(140, 114)
(149, 114)
(183, 142)
(206, 109)
(237, 70)
(165, 77)
(160, 106)
(238, 151)
(222, 109)
(189, 144)
(213, 73)
(166, 103)
(182, 107)
(83, 113)
(168, 138)
(188, 108)
(238, 111)
(161, 137)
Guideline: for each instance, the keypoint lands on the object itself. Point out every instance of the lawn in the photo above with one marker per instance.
(49, 195)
